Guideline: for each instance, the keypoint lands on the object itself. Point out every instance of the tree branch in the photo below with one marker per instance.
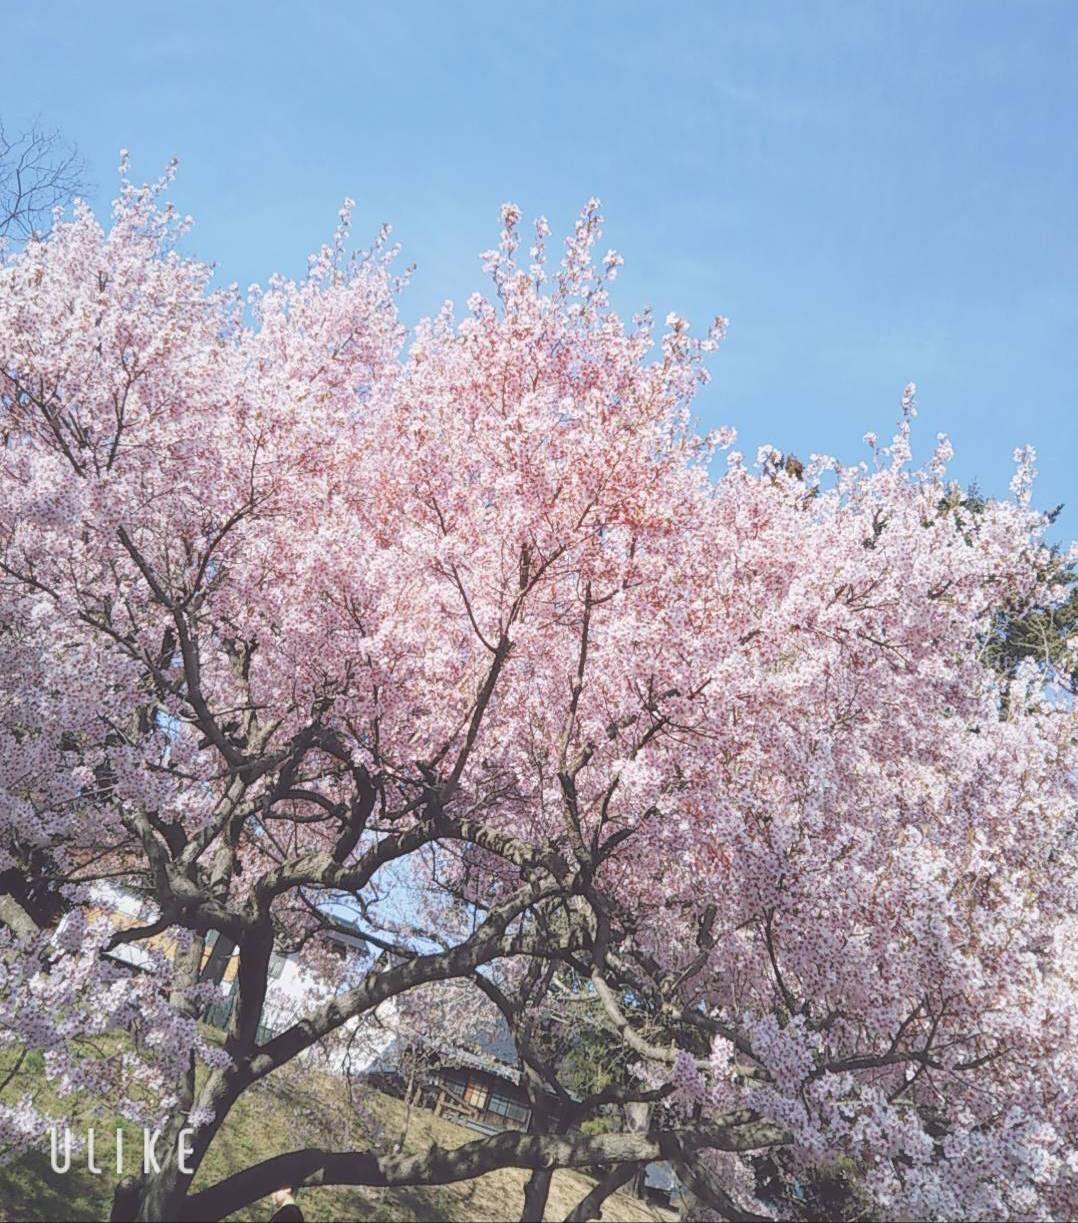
(439, 1166)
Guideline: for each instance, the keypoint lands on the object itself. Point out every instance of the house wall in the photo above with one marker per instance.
(358, 1046)
(291, 990)
(472, 1095)
(123, 909)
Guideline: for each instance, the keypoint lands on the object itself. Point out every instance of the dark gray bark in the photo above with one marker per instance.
(438, 1166)
(591, 1205)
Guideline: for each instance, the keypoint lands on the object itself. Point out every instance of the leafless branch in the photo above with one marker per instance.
(39, 172)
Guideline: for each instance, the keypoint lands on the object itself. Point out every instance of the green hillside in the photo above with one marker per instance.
(294, 1108)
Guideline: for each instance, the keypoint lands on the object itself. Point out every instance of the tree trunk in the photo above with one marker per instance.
(160, 1195)
(591, 1205)
(217, 964)
(410, 1092)
(157, 1195)
(637, 1120)
(536, 1192)
(703, 1197)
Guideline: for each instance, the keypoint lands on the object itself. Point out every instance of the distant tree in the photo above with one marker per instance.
(39, 172)
(1042, 634)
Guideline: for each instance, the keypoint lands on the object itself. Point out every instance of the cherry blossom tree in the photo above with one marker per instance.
(298, 610)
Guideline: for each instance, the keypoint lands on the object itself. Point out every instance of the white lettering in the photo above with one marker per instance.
(90, 1165)
(149, 1156)
(67, 1151)
(185, 1149)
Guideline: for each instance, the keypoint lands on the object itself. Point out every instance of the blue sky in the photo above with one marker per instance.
(872, 192)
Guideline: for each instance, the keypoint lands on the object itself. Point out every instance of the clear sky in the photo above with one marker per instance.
(872, 192)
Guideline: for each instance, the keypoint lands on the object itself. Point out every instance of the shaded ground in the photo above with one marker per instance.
(296, 1108)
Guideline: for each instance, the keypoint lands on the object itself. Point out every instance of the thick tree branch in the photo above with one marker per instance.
(439, 1166)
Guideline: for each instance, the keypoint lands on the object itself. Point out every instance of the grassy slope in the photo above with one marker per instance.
(296, 1108)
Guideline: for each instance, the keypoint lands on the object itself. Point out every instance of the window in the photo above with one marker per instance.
(475, 1093)
(455, 1082)
(509, 1109)
(276, 966)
